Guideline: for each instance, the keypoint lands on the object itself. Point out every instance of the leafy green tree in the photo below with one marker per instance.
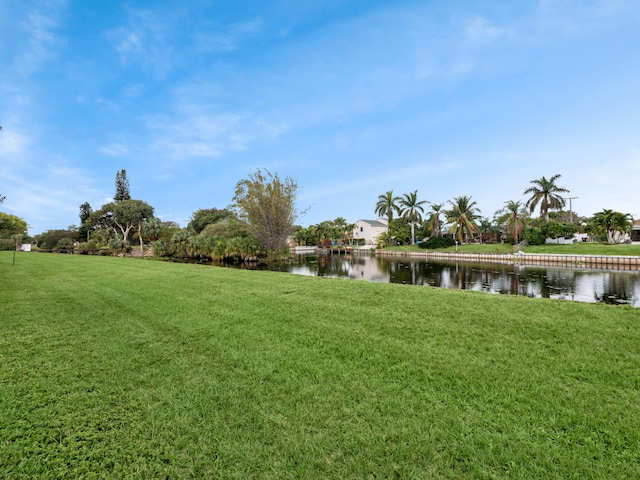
(85, 215)
(399, 232)
(207, 216)
(11, 225)
(124, 216)
(533, 236)
(512, 218)
(64, 245)
(122, 187)
(387, 205)
(412, 210)
(268, 205)
(228, 227)
(614, 224)
(462, 216)
(547, 194)
(557, 230)
(50, 238)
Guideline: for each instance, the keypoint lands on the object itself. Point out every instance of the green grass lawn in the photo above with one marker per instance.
(587, 248)
(130, 368)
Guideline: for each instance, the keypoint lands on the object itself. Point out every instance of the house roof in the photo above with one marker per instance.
(374, 223)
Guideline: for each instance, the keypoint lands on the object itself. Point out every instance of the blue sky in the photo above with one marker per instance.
(349, 98)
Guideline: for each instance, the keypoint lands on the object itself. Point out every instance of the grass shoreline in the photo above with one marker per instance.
(589, 248)
(113, 367)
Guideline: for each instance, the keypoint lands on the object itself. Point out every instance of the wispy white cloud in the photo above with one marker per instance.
(144, 40)
(114, 150)
(226, 38)
(480, 31)
(42, 42)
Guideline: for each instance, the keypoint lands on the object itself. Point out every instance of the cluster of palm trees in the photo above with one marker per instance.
(463, 215)
(325, 233)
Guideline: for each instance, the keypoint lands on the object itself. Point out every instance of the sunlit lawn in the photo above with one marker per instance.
(129, 368)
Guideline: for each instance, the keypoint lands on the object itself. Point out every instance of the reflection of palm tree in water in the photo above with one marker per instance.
(534, 281)
(618, 288)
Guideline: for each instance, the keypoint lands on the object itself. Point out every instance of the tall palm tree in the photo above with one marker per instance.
(387, 205)
(546, 193)
(412, 210)
(462, 216)
(434, 224)
(512, 216)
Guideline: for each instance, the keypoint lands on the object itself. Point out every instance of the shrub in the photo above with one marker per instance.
(161, 248)
(437, 242)
(7, 244)
(64, 245)
(382, 240)
(533, 236)
(82, 248)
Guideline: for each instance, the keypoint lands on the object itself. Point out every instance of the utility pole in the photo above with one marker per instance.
(570, 209)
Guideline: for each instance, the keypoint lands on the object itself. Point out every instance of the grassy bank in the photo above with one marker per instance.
(131, 368)
(572, 249)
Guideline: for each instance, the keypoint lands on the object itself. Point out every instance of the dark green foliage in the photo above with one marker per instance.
(50, 238)
(11, 225)
(161, 248)
(85, 215)
(122, 187)
(438, 242)
(64, 245)
(557, 230)
(7, 244)
(399, 231)
(207, 216)
(533, 236)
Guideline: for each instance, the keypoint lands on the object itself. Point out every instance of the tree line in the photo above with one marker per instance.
(256, 223)
(462, 220)
(263, 213)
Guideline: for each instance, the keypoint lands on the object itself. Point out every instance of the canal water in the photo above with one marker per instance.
(577, 284)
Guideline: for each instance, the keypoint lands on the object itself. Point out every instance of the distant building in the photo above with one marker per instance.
(635, 233)
(368, 230)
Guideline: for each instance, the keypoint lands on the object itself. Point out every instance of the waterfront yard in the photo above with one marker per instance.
(130, 368)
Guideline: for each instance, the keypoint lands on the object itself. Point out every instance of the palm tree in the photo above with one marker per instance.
(613, 223)
(412, 210)
(512, 217)
(462, 216)
(387, 205)
(487, 230)
(545, 192)
(434, 224)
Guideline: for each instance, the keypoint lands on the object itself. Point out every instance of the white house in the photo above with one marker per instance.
(368, 230)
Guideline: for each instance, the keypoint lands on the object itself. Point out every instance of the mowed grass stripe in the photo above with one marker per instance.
(118, 368)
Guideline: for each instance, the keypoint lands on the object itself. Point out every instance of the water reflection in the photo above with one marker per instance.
(578, 284)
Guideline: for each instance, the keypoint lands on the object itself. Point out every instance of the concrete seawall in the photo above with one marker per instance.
(591, 261)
